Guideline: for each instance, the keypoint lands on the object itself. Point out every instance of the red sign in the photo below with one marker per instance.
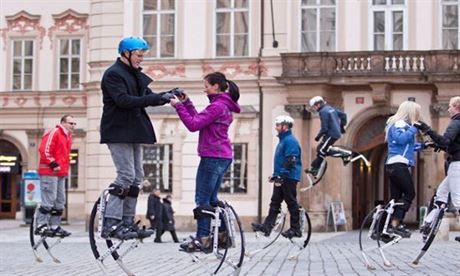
(359, 100)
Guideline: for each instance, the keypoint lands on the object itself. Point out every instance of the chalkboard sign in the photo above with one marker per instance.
(336, 215)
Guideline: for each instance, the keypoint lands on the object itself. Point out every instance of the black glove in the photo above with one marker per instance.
(277, 179)
(179, 92)
(53, 165)
(342, 129)
(166, 97)
(431, 144)
(422, 126)
(318, 137)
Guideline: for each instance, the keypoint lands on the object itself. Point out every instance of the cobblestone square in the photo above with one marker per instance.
(327, 254)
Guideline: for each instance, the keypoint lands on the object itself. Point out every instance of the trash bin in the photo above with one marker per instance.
(30, 192)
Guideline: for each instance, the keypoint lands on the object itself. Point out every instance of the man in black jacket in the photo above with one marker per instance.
(168, 218)
(125, 126)
(450, 142)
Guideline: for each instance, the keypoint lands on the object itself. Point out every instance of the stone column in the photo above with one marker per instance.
(107, 28)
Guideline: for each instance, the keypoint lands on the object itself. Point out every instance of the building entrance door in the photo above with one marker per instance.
(8, 196)
(10, 175)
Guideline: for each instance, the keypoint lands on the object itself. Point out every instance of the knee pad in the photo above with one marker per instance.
(118, 190)
(133, 191)
(44, 211)
(56, 212)
(199, 214)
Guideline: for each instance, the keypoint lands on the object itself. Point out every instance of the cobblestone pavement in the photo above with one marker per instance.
(327, 254)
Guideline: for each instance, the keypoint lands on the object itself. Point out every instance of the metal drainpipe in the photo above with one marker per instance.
(261, 99)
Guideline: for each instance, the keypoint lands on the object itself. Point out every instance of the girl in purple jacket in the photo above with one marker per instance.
(214, 147)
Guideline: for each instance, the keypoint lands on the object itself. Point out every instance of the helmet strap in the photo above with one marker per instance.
(128, 58)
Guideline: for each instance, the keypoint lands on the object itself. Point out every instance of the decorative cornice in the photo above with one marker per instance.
(69, 22)
(439, 109)
(23, 22)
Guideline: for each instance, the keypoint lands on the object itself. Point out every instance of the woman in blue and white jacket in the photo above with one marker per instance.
(400, 136)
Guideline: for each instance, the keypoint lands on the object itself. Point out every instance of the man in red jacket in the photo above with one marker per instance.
(53, 169)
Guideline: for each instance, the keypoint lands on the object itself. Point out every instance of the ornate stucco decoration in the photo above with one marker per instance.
(232, 70)
(297, 111)
(68, 22)
(439, 109)
(22, 23)
(158, 71)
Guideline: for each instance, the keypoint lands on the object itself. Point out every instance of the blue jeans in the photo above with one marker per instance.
(208, 180)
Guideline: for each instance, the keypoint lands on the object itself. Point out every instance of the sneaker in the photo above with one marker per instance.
(400, 230)
(61, 233)
(291, 233)
(260, 227)
(457, 238)
(44, 230)
(202, 244)
(312, 171)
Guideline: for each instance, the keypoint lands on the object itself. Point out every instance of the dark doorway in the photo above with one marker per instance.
(10, 175)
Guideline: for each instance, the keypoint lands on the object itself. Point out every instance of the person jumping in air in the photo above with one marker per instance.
(333, 123)
(286, 175)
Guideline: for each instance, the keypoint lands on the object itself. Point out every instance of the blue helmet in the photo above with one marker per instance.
(132, 43)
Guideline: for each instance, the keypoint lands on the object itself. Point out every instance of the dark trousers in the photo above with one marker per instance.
(287, 192)
(402, 189)
(321, 151)
(173, 235)
(158, 227)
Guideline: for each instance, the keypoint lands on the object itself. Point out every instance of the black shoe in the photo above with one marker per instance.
(258, 227)
(44, 231)
(142, 232)
(120, 232)
(202, 244)
(291, 233)
(61, 233)
(400, 230)
(346, 160)
(312, 171)
(457, 238)
(383, 237)
(157, 241)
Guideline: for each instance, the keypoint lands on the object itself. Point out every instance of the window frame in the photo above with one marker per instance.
(244, 177)
(160, 12)
(69, 58)
(388, 10)
(442, 4)
(161, 161)
(23, 58)
(318, 6)
(232, 29)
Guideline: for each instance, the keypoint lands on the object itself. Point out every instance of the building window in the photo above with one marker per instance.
(232, 28)
(388, 25)
(158, 27)
(69, 64)
(73, 172)
(157, 163)
(236, 178)
(450, 25)
(318, 25)
(23, 63)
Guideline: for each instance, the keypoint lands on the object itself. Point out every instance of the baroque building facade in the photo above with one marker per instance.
(365, 57)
